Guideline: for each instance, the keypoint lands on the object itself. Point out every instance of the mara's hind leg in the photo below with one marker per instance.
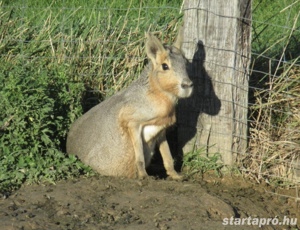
(137, 142)
(132, 131)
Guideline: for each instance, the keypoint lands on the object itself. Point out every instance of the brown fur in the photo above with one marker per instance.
(118, 136)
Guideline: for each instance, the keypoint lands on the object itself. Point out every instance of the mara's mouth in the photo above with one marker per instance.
(185, 90)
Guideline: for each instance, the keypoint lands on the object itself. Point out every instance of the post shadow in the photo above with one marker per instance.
(203, 100)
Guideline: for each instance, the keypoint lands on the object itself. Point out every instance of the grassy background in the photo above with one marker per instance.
(274, 122)
(59, 58)
(275, 26)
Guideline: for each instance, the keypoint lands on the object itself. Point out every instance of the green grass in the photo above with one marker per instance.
(198, 162)
(276, 28)
(59, 58)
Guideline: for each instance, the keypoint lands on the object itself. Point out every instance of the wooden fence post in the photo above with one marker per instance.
(217, 42)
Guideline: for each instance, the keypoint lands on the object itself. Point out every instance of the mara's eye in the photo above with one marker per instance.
(165, 66)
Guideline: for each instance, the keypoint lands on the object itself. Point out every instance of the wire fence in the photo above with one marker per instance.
(101, 45)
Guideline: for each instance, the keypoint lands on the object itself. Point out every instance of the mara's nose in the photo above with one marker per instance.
(186, 83)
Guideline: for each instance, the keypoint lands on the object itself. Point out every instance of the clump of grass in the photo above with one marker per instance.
(275, 130)
(198, 162)
(57, 61)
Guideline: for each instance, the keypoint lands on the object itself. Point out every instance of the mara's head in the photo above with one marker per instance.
(168, 67)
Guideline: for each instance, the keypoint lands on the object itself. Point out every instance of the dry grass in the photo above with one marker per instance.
(274, 143)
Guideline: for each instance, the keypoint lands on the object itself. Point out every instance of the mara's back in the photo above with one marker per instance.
(118, 136)
(96, 136)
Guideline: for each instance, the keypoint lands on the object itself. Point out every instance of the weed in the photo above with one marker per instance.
(197, 161)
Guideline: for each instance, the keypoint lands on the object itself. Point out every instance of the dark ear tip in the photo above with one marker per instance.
(153, 50)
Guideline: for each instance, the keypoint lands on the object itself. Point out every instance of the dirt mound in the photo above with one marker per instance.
(116, 203)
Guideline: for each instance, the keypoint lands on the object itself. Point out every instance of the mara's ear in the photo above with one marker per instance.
(155, 50)
(179, 40)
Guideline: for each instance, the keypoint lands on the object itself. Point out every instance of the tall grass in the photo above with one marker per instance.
(275, 131)
(59, 58)
(272, 33)
(274, 122)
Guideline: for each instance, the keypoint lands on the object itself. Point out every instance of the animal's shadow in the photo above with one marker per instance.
(203, 100)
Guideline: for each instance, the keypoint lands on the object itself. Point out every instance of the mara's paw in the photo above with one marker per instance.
(142, 175)
(176, 176)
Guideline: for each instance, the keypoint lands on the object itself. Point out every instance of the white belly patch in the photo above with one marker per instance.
(151, 131)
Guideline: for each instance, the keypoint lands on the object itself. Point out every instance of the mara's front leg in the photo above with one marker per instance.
(167, 157)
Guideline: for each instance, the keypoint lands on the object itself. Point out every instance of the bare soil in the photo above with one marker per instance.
(116, 203)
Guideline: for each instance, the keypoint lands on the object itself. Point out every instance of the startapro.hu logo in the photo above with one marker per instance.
(254, 221)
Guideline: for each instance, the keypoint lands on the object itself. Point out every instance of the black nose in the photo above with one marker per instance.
(186, 84)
